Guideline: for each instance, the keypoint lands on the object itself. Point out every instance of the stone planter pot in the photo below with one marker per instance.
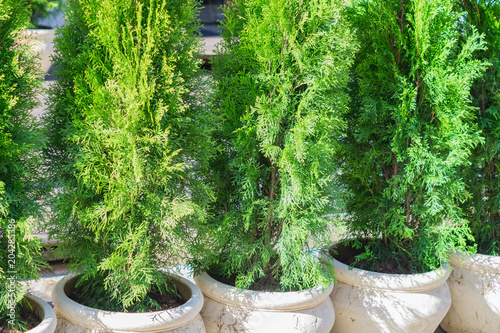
(44, 312)
(475, 294)
(228, 309)
(73, 317)
(367, 301)
(45, 37)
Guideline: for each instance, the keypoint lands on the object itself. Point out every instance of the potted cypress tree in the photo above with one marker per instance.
(280, 77)
(408, 132)
(474, 282)
(127, 140)
(20, 186)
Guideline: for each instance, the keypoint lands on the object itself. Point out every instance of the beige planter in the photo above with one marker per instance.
(45, 38)
(76, 318)
(475, 293)
(228, 309)
(366, 301)
(45, 313)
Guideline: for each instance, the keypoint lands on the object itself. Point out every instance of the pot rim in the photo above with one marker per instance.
(418, 282)
(123, 321)
(262, 300)
(477, 262)
(47, 315)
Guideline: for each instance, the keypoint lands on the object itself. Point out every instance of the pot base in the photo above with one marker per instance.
(66, 326)
(225, 318)
(371, 310)
(475, 292)
(368, 302)
(228, 309)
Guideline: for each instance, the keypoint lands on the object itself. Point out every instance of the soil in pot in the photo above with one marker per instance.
(28, 318)
(395, 263)
(487, 251)
(266, 283)
(166, 299)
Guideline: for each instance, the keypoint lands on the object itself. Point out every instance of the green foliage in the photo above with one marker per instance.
(20, 145)
(483, 207)
(128, 140)
(409, 129)
(280, 74)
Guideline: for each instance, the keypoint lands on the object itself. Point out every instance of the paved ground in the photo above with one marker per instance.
(43, 287)
(41, 97)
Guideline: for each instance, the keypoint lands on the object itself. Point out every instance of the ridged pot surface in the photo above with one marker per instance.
(367, 301)
(228, 309)
(475, 294)
(44, 312)
(76, 318)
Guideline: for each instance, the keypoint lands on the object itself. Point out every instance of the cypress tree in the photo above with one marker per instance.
(280, 74)
(128, 139)
(408, 131)
(483, 207)
(20, 145)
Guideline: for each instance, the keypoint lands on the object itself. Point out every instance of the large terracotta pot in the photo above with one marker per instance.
(475, 294)
(367, 301)
(44, 312)
(228, 309)
(73, 317)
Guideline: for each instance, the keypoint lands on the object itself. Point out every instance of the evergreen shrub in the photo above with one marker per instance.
(128, 131)
(281, 73)
(483, 207)
(20, 160)
(409, 129)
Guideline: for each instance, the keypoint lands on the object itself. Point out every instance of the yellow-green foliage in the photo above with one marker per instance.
(20, 145)
(128, 141)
